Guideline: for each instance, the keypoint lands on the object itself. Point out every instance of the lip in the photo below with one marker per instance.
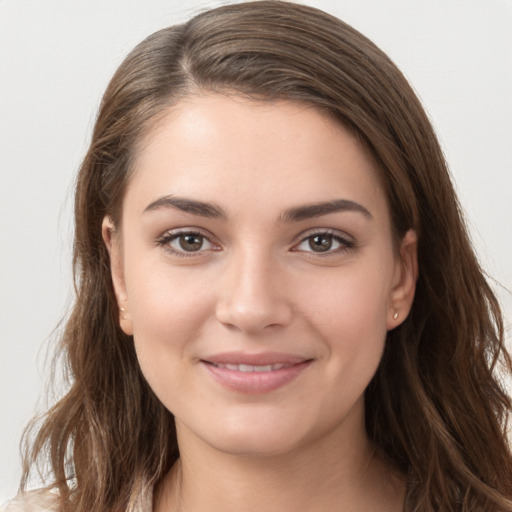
(274, 370)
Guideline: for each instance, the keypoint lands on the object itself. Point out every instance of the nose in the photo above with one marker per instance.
(252, 297)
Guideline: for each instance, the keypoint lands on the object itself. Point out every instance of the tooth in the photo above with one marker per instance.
(252, 368)
(266, 368)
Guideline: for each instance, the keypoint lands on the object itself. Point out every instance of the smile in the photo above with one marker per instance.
(255, 373)
(252, 368)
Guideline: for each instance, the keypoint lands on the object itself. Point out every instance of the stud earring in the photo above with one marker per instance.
(123, 310)
(395, 315)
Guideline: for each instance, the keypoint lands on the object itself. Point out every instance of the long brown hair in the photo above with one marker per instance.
(436, 408)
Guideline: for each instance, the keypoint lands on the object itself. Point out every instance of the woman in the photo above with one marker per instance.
(277, 304)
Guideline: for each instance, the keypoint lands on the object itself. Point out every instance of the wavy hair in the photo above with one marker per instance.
(436, 407)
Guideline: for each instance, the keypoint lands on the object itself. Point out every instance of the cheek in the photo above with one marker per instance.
(349, 298)
(169, 307)
(349, 312)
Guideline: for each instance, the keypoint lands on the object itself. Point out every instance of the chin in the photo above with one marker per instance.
(248, 435)
(259, 444)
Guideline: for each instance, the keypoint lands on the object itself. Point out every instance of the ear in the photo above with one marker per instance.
(404, 280)
(112, 241)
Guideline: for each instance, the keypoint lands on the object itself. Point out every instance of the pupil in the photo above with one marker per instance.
(320, 243)
(191, 242)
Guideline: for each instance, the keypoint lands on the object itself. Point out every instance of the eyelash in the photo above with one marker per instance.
(346, 244)
(167, 238)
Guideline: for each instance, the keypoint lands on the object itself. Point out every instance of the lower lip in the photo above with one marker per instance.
(256, 382)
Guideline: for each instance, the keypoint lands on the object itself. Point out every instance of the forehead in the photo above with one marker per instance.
(249, 154)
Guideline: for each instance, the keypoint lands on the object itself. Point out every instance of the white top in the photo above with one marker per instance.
(43, 500)
(33, 501)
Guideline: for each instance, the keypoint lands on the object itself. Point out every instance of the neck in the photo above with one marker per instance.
(314, 478)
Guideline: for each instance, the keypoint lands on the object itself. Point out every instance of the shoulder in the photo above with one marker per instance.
(41, 500)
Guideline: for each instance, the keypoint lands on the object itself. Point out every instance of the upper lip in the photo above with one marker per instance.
(256, 359)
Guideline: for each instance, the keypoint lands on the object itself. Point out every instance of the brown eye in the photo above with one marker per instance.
(186, 243)
(324, 243)
(320, 243)
(191, 242)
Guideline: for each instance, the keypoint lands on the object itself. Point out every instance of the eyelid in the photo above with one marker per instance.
(347, 242)
(172, 234)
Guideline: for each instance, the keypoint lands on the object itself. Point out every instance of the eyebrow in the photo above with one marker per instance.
(294, 214)
(192, 206)
(310, 211)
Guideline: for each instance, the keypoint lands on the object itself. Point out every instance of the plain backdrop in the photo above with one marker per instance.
(56, 58)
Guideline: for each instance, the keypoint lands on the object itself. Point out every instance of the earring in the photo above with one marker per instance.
(395, 315)
(123, 310)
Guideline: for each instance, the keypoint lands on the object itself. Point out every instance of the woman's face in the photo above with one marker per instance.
(256, 267)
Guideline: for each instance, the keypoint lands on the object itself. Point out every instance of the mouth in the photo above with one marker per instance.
(251, 367)
(255, 373)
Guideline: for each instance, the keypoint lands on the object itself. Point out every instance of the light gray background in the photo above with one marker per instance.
(56, 57)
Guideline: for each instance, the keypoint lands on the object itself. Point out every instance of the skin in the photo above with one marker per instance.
(254, 281)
